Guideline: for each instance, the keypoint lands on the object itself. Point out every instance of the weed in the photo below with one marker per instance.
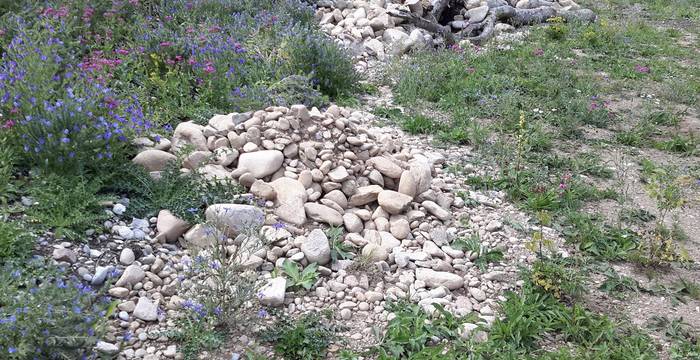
(306, 338)
(67, 205)
(340, 250)
(484, 256)
(186, 196)
(664, 188)
(300, 278)
(555, 276)
(686, 145)
(616, 284)
(45, 315)
(410, 334)
(195, 336)
(15, 242)
(599, 240)
(229, 282)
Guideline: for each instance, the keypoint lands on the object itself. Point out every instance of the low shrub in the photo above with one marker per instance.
(44, 316)
(306, 338)
(15, 242)
(66, 205)
(185, 195)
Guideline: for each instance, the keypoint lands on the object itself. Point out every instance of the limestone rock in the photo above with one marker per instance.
(323, 213)
(393, 202)
(272, 293)
(434, 279)
(154, 160)
(233, 219)
(261, 163)
(316, 247)
(169, 226)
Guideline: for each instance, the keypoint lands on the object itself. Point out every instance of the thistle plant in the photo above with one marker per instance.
(226, 280)
(664, 188)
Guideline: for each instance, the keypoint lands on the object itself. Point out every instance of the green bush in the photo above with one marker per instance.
(67, 205)
(410, 334)
(15, 242)
(306, 338)
(330, 67)
(44, 316)
(185, 195)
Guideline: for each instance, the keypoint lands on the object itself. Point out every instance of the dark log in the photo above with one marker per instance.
(478, 33)
(425, 24)
(439, 7)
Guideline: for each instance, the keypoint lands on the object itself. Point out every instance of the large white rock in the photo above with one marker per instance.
(434, 279)
(189, 133)
(234, 219)
(323, 213)
(146, 310)
(272, 293)
(386, 166)
(154, 160)
(261, 163)
(436, 210)
(170, 227)
(132, 275)
(394, 202)
(316, 247)
(365, 195)
(291, 196)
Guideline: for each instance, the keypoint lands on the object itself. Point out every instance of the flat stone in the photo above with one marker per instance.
(154, 160)
(131, 276)
(291, 196)
(170, 227)
(434, 279)
(386, 166)
(393, 202)
(63, 254)
(338, 174)
(436, 210)
(234, 219)
(323, 213)
(365, 195)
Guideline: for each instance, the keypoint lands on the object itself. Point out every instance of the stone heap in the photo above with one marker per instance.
(313, 167)
(311, 170)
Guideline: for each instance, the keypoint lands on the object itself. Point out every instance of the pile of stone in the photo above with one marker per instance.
(312, 170)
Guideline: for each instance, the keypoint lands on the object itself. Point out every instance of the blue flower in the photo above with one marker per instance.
(262, 313)
(11, 350)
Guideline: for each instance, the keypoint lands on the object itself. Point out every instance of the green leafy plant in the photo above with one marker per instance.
(556, 29)
(47, 315)
(484, 256)
(195, 336)
(296, 278)
(557, 277)
(339, 249)
(67, 205)
(186, 196)
(409, 335)
(15, 242)
(306, 338)
(616, 284)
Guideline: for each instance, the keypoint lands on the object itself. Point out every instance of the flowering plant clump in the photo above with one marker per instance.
(61, 116)
(45, 314)
(79, 78)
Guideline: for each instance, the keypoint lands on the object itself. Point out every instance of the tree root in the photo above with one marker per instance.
(479, 33)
